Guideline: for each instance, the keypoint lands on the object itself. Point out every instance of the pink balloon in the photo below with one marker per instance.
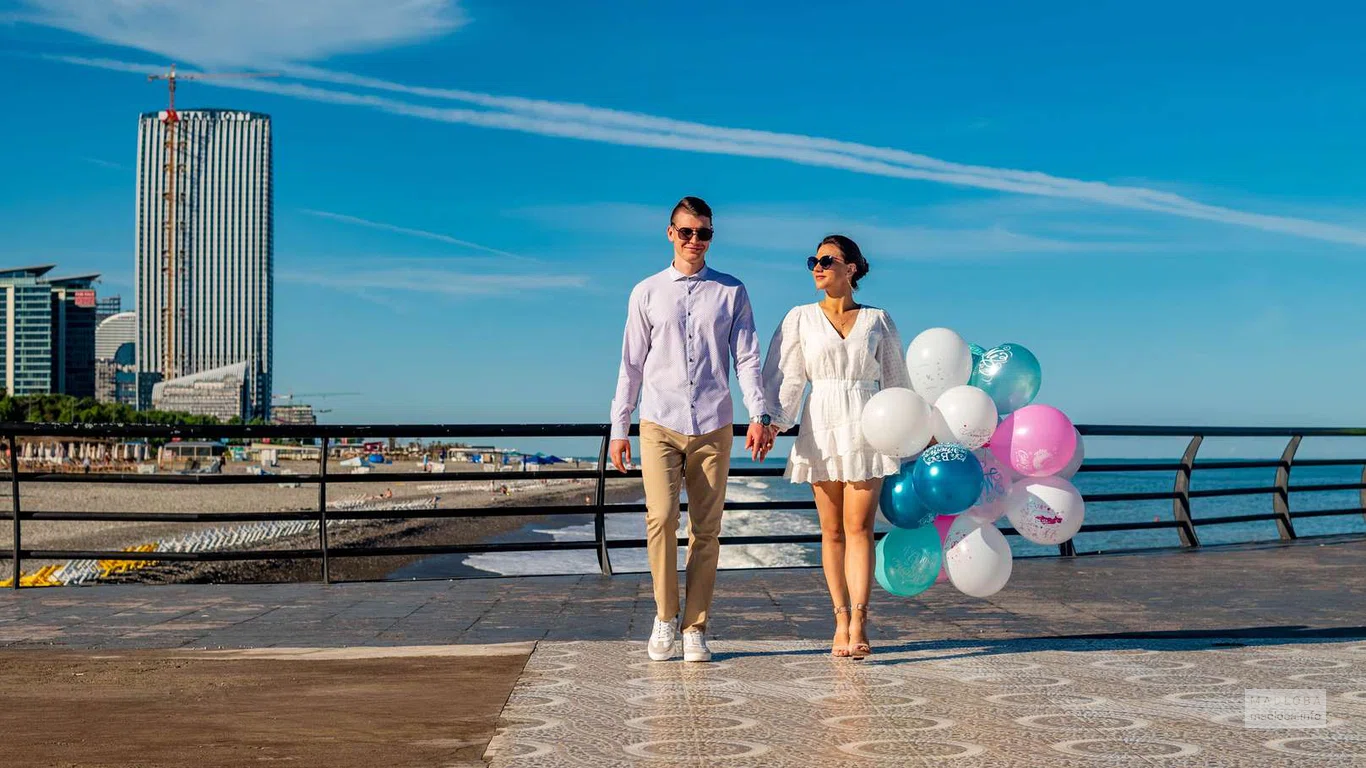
(1036, 441)
(943, 523)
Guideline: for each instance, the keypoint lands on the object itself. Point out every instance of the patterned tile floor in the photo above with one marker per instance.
(1024, 702)
(1105, 660)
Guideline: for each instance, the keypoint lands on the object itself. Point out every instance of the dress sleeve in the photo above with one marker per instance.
(785, 372)
(891, 357)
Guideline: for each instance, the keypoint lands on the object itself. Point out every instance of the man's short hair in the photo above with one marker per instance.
(694, 205)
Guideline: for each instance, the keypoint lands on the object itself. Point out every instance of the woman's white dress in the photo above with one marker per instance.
(844, 373)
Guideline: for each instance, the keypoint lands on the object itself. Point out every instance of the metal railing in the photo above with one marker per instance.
(1181, 494)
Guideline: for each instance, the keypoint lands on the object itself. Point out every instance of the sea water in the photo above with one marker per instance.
(788, 522)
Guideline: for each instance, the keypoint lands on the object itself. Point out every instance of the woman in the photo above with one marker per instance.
(847, 352)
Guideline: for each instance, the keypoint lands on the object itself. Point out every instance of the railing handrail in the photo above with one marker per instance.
(1181, 494)
(586, 429)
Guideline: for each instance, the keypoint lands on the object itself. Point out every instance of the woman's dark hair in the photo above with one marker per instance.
(852, 255)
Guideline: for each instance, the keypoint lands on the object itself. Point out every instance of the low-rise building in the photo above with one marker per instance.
(219, 392)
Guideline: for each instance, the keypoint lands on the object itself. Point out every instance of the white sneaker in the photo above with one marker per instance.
(695, 646)
(662, 640)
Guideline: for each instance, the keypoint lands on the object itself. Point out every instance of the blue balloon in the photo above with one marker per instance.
(898, 501)
(908, 560)
(947, 478)
(1010, 374)
(977, 351)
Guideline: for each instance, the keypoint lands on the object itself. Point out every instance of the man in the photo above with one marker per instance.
(683, 327)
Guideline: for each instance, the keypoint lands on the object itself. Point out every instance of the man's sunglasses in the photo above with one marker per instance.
(824, 262)
(703, 233)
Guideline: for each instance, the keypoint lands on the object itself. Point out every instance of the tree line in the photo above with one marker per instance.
(65, 409)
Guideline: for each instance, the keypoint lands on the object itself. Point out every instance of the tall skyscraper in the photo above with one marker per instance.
(207, 232)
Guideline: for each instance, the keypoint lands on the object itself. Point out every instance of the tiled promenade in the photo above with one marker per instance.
(1135, 659)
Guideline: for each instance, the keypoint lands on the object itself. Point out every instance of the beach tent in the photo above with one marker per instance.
(541, 458)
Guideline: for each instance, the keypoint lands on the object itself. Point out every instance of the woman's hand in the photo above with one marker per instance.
(757, 441)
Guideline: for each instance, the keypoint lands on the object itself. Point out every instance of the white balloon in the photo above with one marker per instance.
(896, 422)
(965, 415)
(976, 557)
(1046, 510)
(997, 482)
(1074, 466)
(937, 361)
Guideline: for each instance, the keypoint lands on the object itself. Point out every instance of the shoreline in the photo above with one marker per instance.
(380, 533)
(537, 489)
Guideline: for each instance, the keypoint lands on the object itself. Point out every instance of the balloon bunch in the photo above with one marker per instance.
(995, 453)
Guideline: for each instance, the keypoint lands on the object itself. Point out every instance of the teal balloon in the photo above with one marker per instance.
(1010, 374)
(947, 478)
(977, 351)
(899, 503)
(908, 560)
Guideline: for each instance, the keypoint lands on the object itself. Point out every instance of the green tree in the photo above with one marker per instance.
(64, 409)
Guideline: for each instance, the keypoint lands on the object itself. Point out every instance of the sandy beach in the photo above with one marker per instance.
(536, 490)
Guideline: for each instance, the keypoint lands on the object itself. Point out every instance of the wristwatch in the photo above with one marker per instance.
(761, 419)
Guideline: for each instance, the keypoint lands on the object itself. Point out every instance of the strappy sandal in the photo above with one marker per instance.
(841, 651)
(860, 650)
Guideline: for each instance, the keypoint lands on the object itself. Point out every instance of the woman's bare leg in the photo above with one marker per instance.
(830, 506)
(860, 505)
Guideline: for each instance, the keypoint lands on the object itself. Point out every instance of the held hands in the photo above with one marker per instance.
(759, 440)
(620, 451)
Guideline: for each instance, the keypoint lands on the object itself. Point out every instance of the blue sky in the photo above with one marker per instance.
(1166, 203)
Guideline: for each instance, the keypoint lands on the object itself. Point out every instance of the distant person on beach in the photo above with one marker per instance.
(847, 352)
(684, 325)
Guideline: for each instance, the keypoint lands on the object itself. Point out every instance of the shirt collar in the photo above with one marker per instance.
(675, 275)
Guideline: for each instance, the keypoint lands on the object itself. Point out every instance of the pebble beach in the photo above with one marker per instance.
(537, 490)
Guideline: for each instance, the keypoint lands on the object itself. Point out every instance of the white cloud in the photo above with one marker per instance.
(248, 33)
(589, 123)
(826, 153)
(104, 163)
(448, 282)
(791, 229)
(439, 237)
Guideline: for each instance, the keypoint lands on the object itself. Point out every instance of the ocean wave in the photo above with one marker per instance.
(734, 522)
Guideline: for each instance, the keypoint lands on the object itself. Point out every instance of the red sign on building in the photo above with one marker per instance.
(85, 298)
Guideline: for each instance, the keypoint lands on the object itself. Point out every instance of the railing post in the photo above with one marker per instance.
(14, 493)
(600, 511)
(1280, 501)
(322, 511)
(1181, 504)
(1362, 500)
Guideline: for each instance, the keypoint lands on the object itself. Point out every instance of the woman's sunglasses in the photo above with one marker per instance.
(824, 262)
(703, 233)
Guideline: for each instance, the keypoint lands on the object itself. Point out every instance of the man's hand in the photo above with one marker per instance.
(620, 451)
(759, 440)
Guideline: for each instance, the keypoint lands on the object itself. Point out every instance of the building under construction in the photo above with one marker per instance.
(205, 249)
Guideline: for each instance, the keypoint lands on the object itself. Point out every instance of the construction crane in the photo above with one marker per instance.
(173, 242)
(290, 397)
